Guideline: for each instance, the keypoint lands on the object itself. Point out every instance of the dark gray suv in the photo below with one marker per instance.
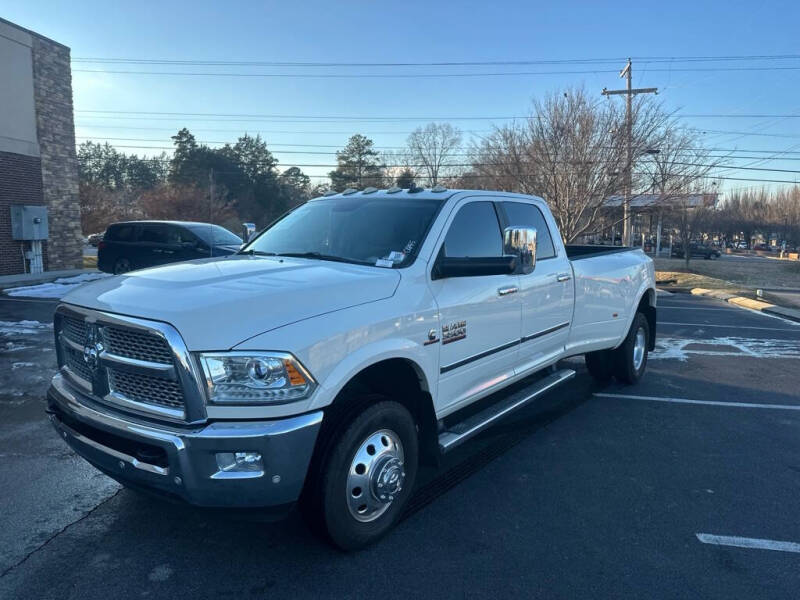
(138, 244)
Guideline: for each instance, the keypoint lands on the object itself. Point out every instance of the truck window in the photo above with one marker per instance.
(527, 215)
(474, 232)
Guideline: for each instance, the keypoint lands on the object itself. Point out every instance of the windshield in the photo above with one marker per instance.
(384, 232)
(216, 235)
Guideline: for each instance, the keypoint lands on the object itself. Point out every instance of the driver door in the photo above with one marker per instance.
(480, 316)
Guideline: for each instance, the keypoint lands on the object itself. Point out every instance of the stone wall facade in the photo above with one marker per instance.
(52, 81)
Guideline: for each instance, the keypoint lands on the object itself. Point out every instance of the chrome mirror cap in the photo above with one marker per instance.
(521, 242)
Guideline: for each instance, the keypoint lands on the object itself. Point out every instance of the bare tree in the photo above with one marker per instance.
(431, 147)
(569, 151)
(677, 165)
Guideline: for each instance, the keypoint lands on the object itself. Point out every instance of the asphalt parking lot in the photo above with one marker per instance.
(645, 491)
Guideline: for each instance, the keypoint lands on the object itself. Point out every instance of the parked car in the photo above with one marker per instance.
(696, 250)
(359, 336)
(138, 244)
(94, 239)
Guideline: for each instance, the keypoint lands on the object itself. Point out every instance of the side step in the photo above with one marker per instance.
(471, 426)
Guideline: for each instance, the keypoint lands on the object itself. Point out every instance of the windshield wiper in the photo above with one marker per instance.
(320, 256)
(252, 252)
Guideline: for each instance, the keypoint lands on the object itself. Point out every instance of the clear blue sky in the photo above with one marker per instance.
(418, 32)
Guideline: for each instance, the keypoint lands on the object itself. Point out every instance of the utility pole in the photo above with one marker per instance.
(629, 92)
(211, 195)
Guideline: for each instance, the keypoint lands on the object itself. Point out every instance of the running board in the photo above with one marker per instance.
(471, 426)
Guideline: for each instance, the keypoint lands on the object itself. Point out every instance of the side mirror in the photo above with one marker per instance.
(520, 242)
(248, 230)
(473, 266)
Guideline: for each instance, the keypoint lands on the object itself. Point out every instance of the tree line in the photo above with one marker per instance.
(571, 150)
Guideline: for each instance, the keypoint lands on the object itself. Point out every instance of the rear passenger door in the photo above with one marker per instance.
(546, 293)
(479, 316)
(153, 242)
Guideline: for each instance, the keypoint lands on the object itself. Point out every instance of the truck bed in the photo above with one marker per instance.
(580, 252)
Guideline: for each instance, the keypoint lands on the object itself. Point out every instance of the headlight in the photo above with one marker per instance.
(255, 378)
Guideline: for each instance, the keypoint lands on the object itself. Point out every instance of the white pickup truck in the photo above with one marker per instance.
(338, 350)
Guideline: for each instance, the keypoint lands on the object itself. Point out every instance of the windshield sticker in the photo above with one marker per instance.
(410, 246)
(382, 262)
(396, 257)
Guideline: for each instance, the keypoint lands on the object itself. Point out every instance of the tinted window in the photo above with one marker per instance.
(353, 229)
(528, 215)
(216, 235)
(156, 234)
(119, 233)
(179, 235)
(474, 232)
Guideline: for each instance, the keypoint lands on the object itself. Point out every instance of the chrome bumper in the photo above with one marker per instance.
(182, 462)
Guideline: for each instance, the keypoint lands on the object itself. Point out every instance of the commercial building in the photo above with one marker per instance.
(38, 164)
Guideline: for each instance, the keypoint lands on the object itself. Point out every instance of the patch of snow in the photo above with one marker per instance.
(8, 328)
(14, 347)
(678, 348)
(21, 365)
(57, 288)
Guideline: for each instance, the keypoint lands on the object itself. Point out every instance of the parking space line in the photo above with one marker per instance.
(726, 326)
(744, 542)
(684, 307)
(707, 402)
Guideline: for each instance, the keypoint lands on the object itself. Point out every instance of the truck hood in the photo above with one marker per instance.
(217, 303)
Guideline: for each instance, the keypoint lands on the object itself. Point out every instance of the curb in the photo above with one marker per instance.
(9, 282)
(791, 314)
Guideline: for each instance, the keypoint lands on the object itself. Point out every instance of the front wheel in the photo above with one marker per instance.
(367, 475)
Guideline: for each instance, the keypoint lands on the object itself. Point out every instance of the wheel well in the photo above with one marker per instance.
(402, 381)
(648, 309)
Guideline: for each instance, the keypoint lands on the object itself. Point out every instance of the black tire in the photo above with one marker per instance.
(625, 364)
(600, 365)
(122, 265)
(326, 503)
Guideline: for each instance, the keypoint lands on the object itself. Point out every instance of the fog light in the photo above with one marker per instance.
(239, 462)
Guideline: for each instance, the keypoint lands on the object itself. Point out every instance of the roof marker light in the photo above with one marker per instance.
(394, 190)
(438, 188)
(349, 191)
(330, 193)
(370, 190)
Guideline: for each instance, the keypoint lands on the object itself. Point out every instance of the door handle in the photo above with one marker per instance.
(505, 291)
(564, 277)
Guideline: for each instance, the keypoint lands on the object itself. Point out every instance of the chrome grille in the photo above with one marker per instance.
(131, 343)
(74, 361)
(138, 367)
(74, 329)
(143, 388)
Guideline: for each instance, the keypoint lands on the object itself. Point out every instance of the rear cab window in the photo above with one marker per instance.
(521, 214)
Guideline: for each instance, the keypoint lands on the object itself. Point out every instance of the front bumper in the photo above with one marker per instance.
(181, 463)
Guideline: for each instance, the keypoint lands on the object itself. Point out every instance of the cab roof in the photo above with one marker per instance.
(435, 193)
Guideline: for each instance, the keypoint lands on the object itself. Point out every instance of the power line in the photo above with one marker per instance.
(613, 60)
(317, 152)
(97, 112)
(423, 75)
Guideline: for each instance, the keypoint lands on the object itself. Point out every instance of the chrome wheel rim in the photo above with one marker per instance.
(639, 348)
(376, 475)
